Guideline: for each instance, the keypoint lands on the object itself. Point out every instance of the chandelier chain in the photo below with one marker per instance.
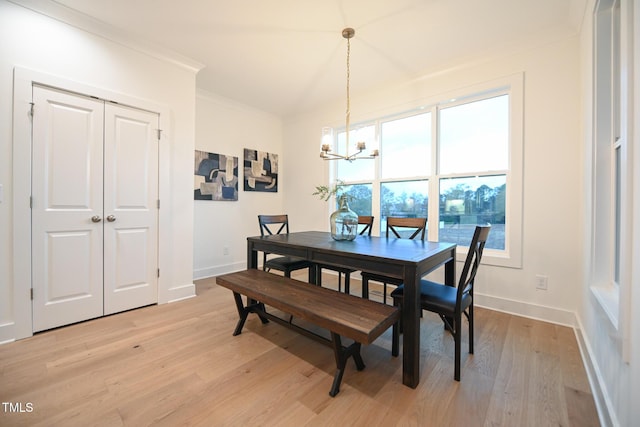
(348, 112)
(326, 152)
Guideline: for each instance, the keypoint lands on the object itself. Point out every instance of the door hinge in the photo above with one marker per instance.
(30, 202)
(31, 108)
(158, 203)
(31, 294)
(159, 134)
(158, 272)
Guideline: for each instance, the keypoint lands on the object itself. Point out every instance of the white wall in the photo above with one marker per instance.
(33, 41)
(226, 127)
(552, 171)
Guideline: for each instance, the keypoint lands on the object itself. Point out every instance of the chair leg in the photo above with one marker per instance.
(347, 283)
(395, 342)
(398, 303)
(313, 274)
(365, 288)
(384, 293)
(471, 328)
(339, 281)
(457, 338)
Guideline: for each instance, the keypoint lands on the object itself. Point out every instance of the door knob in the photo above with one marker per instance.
(111, 218)
(96, 218)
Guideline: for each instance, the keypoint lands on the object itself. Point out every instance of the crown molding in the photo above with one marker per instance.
(94, 26)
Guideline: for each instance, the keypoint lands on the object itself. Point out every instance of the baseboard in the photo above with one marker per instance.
(7, 333)
(525, 309)
(181, 292)
(203, 273)
(605, 408)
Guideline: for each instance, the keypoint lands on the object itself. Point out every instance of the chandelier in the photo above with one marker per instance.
(327, 133)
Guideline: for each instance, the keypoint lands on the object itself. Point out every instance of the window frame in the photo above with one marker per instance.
(612, 201)
(512, 85)
(609, 182)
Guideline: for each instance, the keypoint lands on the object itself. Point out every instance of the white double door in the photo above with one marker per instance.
(94, 208)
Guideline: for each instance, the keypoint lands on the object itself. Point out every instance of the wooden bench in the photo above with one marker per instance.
(343, 315)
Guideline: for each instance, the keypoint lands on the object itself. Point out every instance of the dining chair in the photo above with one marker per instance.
(400, 227)
(365, 220)
(447, 301)
(279, 224)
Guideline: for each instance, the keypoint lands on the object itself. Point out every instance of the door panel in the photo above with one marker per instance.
(65, 249)
(67, 192)
(131, 206)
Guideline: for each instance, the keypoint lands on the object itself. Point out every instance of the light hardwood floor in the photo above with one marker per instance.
(178, 364)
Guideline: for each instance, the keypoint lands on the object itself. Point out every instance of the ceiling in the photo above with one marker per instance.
(287, 56)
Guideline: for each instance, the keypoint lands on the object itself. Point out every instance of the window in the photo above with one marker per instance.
(359, 198)
(474, 136)
(407, 146)
(467, 201)
(609, 159)
(407, 199)
(618, 214)
(465, 151)
(358, 170)
(473, 165)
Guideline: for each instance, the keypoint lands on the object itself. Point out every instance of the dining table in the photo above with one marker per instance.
(405, 259)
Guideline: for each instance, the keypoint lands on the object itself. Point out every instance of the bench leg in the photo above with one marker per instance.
(261, 306)
(342, 354)
(243, 311)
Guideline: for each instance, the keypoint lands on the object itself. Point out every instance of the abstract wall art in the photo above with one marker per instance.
(216, 177)
(260, 171)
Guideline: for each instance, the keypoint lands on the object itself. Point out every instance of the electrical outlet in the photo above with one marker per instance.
(225, 250)
(541, 282)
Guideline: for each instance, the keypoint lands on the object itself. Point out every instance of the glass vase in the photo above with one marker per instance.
(344, 222)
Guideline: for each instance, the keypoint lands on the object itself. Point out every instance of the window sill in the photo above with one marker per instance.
(609, 299)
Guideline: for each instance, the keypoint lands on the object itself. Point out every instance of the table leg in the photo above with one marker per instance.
(411, 324)
(252, 256)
